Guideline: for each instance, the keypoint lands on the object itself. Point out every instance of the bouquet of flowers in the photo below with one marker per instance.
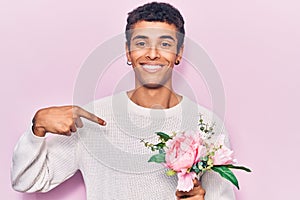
(188, 154)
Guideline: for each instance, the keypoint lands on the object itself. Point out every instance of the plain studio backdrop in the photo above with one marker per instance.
(253, 44)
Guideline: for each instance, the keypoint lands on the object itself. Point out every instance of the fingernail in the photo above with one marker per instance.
(101, 122)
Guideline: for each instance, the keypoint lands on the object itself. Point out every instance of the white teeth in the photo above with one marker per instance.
(152, 67)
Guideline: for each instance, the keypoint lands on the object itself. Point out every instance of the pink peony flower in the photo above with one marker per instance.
(223, 156)
(185, 181)
(184, 150)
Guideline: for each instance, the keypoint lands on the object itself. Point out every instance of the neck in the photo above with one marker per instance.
(158, 98)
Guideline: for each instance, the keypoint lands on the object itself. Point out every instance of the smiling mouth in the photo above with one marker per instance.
(152, 68)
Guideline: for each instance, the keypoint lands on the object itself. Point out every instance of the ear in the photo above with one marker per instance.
(179, 54)
(127, 52)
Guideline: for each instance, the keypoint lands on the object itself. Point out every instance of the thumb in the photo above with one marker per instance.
(196, 182)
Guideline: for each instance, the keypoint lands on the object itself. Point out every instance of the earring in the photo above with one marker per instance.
(177, 62)
(129, 63)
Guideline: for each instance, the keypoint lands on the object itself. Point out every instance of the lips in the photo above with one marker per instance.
(152, 68)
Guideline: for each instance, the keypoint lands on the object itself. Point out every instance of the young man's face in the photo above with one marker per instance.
(153, 53)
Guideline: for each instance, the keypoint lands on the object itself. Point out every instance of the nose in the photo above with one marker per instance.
(153, 53)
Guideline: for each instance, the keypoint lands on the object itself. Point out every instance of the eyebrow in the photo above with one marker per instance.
(140, 37)
(167, 37)
(161, 37)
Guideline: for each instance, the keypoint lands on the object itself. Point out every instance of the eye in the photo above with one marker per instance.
(141, 44)
(166, 44)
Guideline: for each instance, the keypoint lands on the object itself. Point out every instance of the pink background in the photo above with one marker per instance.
(254, 45)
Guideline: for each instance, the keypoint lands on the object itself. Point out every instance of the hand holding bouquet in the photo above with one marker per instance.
(187, 154)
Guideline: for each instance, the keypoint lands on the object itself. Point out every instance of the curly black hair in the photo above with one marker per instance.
(156, 12)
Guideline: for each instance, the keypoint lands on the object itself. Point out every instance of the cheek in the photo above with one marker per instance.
(136, 55)
(168, 55)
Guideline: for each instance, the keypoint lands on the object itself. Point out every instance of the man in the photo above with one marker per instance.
(108, 152)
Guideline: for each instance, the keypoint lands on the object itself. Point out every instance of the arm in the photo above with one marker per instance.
(216, 186)
(40, 163)
(212, 185)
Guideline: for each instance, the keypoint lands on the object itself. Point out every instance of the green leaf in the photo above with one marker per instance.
(160, 145)
(163, 136)
(225, 172)
(239, 167)
(158, 158)
(170, 172)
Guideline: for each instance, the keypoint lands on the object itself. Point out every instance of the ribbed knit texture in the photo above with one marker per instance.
(112, 158)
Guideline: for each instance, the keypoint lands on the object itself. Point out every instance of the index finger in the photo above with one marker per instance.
(90, 116)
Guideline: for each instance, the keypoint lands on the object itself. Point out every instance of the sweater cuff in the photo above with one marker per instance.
(32, 138)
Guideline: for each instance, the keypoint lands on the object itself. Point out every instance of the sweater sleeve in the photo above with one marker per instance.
(217, 187)
(41, 163)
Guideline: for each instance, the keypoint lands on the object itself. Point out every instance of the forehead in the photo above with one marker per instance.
(153, 29)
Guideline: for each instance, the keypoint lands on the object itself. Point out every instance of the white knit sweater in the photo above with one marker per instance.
(111, 158)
